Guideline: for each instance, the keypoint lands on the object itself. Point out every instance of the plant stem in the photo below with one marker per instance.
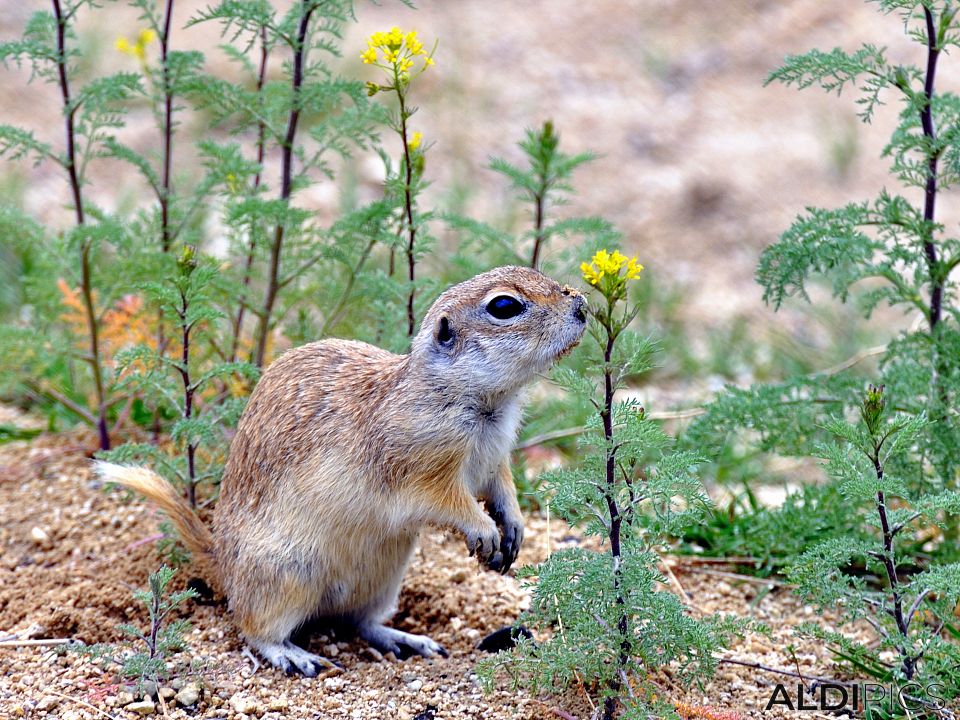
(163, 194)
(616, 518)
(188, 391)
(154, 623)
(167, 129)
(286, 182)
(86, 281)
(930, 190)
(251, 245)
(937, 275)
(408, 209)
(888, 559)
(540, 202)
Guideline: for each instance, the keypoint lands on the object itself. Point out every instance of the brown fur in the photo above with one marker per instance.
(345, 450)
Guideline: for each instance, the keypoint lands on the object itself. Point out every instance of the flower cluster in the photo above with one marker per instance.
(395, 52)
(138, 48)
(609, 265)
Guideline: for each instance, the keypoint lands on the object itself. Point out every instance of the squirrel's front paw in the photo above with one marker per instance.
(511, 537)
(484, 540)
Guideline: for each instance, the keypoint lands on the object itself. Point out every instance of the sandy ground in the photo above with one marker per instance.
(70, 552)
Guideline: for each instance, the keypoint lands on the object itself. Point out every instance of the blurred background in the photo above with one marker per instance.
(700, 165)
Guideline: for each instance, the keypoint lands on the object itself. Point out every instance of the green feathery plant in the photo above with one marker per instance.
(890, 250)
(894, 251)
(90, 114)
(545, 183)
(141, 297)
(871, 578)
(399, 53)
(145, 660)
(607, 624)
(204, 392)
(283, 245)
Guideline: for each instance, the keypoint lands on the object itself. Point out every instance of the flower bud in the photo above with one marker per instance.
(187, 262)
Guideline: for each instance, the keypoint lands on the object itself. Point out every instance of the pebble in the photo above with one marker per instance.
(47, 703)
(144, 707)
(278, 704)
(40, 537)
(334, 683)
(167, 693)
(188, 694)
(415, 685)
(244, 704)
(125, 698)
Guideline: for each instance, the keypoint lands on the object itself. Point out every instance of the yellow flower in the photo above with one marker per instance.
(146, 37)
(601, 259)
(136, 49)
(607, 264)
(399, 50)
(633, 269)
(232, 183)
(590, 273)
(415, 140)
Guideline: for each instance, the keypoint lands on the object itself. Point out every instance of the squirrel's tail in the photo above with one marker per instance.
(195, 535)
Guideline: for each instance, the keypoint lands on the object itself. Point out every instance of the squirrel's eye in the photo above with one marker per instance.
(504, 307)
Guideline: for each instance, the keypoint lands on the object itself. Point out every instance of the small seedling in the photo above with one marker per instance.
(145, 657)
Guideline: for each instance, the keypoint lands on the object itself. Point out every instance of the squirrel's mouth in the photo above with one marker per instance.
(563, 352)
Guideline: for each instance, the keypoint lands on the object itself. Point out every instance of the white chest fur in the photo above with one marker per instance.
(492, 440)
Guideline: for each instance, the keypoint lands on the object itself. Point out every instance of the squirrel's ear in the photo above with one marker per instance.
(445, 334)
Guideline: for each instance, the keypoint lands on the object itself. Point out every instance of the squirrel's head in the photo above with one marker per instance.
(496, 331)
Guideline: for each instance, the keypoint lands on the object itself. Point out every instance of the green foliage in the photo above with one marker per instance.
(880, 534)
(150, 649)
(888, 251)
(197, 450)
(544, 183)
(607, 623)
(872, 578)
(108, 343)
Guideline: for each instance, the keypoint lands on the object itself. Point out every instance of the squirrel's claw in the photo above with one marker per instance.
(483, 542)
(511, 537)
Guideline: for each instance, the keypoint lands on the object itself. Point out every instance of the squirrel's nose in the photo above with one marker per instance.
(579, 309)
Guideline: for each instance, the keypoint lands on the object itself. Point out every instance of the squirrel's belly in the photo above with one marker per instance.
(369, 580)
(323, 541)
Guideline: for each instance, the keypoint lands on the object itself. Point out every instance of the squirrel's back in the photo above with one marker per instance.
(312, 396)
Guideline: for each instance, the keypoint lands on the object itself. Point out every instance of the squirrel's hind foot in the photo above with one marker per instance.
(401, 644)
(291, 658)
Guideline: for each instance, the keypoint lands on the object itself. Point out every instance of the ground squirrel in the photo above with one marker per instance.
(345, 451)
